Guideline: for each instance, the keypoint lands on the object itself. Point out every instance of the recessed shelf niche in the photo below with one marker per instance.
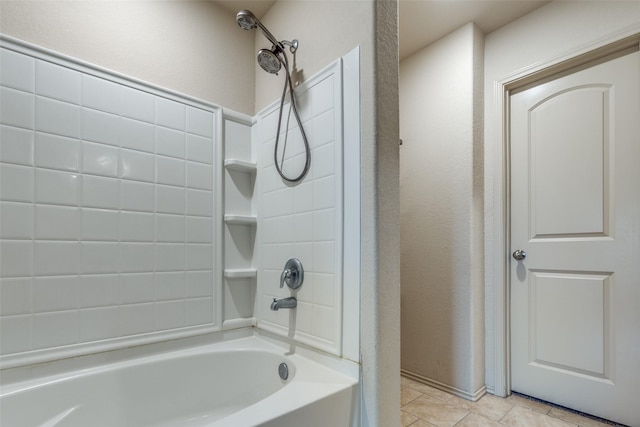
(240, 273)
(240, 165)
(240, 220)
(234, 219)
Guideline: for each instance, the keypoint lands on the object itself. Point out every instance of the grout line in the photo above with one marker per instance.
(463, 418)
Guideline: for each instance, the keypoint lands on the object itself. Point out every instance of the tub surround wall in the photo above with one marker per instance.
(268, 221)
(304, 220)
(128, 248)
(441, 213)
(108, 215)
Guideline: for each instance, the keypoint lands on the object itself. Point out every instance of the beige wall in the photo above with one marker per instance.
(380, 246)
(191, 47)
(326, 31)
(441, 212)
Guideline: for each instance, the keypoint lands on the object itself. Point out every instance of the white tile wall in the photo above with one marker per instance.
(100, 94)
(16, 220)
(101, 127)
(18, 296)
(17, 108)
(56, 117)
(136, 135)
(237, 135)
(17, 145)
(171, 143)
(57, 152)
(199, 149)
(304, 220)
(56, 82)
(106, 207)
(18, 71)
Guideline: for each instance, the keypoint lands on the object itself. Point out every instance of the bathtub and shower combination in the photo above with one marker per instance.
(237, 376)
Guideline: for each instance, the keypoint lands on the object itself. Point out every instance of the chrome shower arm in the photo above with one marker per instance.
(293, 45)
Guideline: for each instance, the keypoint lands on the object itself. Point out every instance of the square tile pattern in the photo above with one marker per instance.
(303, 220)
(425, 406)
(106, 207)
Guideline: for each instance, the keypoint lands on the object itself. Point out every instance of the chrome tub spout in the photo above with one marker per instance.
(289, 302)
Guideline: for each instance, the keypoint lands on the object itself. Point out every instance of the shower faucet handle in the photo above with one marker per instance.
(293, 274)
(286, 274)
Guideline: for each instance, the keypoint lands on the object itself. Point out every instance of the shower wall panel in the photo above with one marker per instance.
(107, 191)
(304, 220)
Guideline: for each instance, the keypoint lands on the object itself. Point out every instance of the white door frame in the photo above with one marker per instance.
(500, 259)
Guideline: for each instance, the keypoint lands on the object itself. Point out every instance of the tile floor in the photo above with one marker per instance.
(424, 406)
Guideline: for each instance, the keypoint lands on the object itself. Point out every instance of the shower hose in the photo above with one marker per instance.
(288, 83)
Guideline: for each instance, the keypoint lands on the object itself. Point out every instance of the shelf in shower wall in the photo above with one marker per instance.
(240, 219)
(240, 165)
(240, 273)
(239, 323)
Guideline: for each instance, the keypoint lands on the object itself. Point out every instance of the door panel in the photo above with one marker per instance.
(576, 343)
(575, 211)
(566, 205)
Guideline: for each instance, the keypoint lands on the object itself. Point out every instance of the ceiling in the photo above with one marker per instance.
(424, 21)
(258, 7)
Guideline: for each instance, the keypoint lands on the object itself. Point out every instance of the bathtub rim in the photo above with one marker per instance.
(307, 362)
(12, 379)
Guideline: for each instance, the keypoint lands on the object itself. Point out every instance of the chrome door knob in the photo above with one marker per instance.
(519, 255)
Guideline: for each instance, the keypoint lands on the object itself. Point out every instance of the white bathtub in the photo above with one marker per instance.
(232, 384)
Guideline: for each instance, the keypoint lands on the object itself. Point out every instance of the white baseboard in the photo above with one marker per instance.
(445, 387)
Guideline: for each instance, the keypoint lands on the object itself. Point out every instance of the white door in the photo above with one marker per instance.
(575, 212)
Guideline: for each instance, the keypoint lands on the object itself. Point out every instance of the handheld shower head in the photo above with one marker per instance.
(246, 19)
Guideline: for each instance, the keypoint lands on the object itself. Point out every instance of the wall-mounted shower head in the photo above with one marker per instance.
(269, 60)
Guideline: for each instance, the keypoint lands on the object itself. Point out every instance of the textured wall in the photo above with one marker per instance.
(441, 221)
(380, 288)
(188, 46)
